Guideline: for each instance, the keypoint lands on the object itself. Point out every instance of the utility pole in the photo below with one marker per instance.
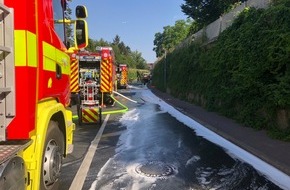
(165, 70)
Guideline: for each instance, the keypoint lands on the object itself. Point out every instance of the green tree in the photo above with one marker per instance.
(171, 36)
(116, 40)
(125, 50)
(95, 43)
(68, 27)
(102, 43)
(158, 44)
(244, 75)
(123, 53)
(204, 12)
(92, 45)
(139, 61)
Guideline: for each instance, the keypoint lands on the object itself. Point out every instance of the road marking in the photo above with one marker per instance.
(81, 175)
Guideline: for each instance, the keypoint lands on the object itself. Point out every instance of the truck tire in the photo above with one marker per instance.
(13, 174)
(108, 100)
(52, 157)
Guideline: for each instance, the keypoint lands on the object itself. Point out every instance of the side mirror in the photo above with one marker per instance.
(81, 34)
(81, 12)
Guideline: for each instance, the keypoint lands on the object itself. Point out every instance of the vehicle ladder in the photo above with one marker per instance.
(7, 69)
(7, 84)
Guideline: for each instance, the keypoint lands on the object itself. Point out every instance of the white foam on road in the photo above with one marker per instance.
(136, 87)
(192, 160)
(273, 174)
(124, 174)
(117, 173)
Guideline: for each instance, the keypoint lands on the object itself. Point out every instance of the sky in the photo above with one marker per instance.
(136, 22)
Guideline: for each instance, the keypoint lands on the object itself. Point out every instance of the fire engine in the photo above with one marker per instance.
(122, 76)
(92, 83)
(36, 128)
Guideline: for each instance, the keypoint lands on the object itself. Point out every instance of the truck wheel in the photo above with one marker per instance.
(52, 157)
(13, 173)
(108, 100)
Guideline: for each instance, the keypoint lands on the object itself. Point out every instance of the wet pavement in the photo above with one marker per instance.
(147, 148)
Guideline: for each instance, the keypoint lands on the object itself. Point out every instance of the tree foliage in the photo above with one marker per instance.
(68, 27)
(123, 49)
(245, 74)
(204, 12)
(123, 53)
(171, 36)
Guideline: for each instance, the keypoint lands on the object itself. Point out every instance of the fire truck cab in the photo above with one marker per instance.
(36, 128)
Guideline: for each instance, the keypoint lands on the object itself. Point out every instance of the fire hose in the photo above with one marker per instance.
(124, 108)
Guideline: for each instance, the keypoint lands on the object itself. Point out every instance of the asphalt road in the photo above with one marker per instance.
(146, 148)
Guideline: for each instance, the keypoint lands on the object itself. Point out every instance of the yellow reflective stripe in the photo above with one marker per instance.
(25, 48)
(48, 57)
(49, 64)
(52, 56)
(20, 47)
(31, 47)
(90, 115)
(63, 59)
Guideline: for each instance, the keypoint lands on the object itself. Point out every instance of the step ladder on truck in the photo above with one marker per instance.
(36, 128)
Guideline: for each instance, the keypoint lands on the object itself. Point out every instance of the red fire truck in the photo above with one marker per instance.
(122, 76)
(92, 83)
(36, 128)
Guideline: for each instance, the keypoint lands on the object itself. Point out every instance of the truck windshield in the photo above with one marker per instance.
(59, 25)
